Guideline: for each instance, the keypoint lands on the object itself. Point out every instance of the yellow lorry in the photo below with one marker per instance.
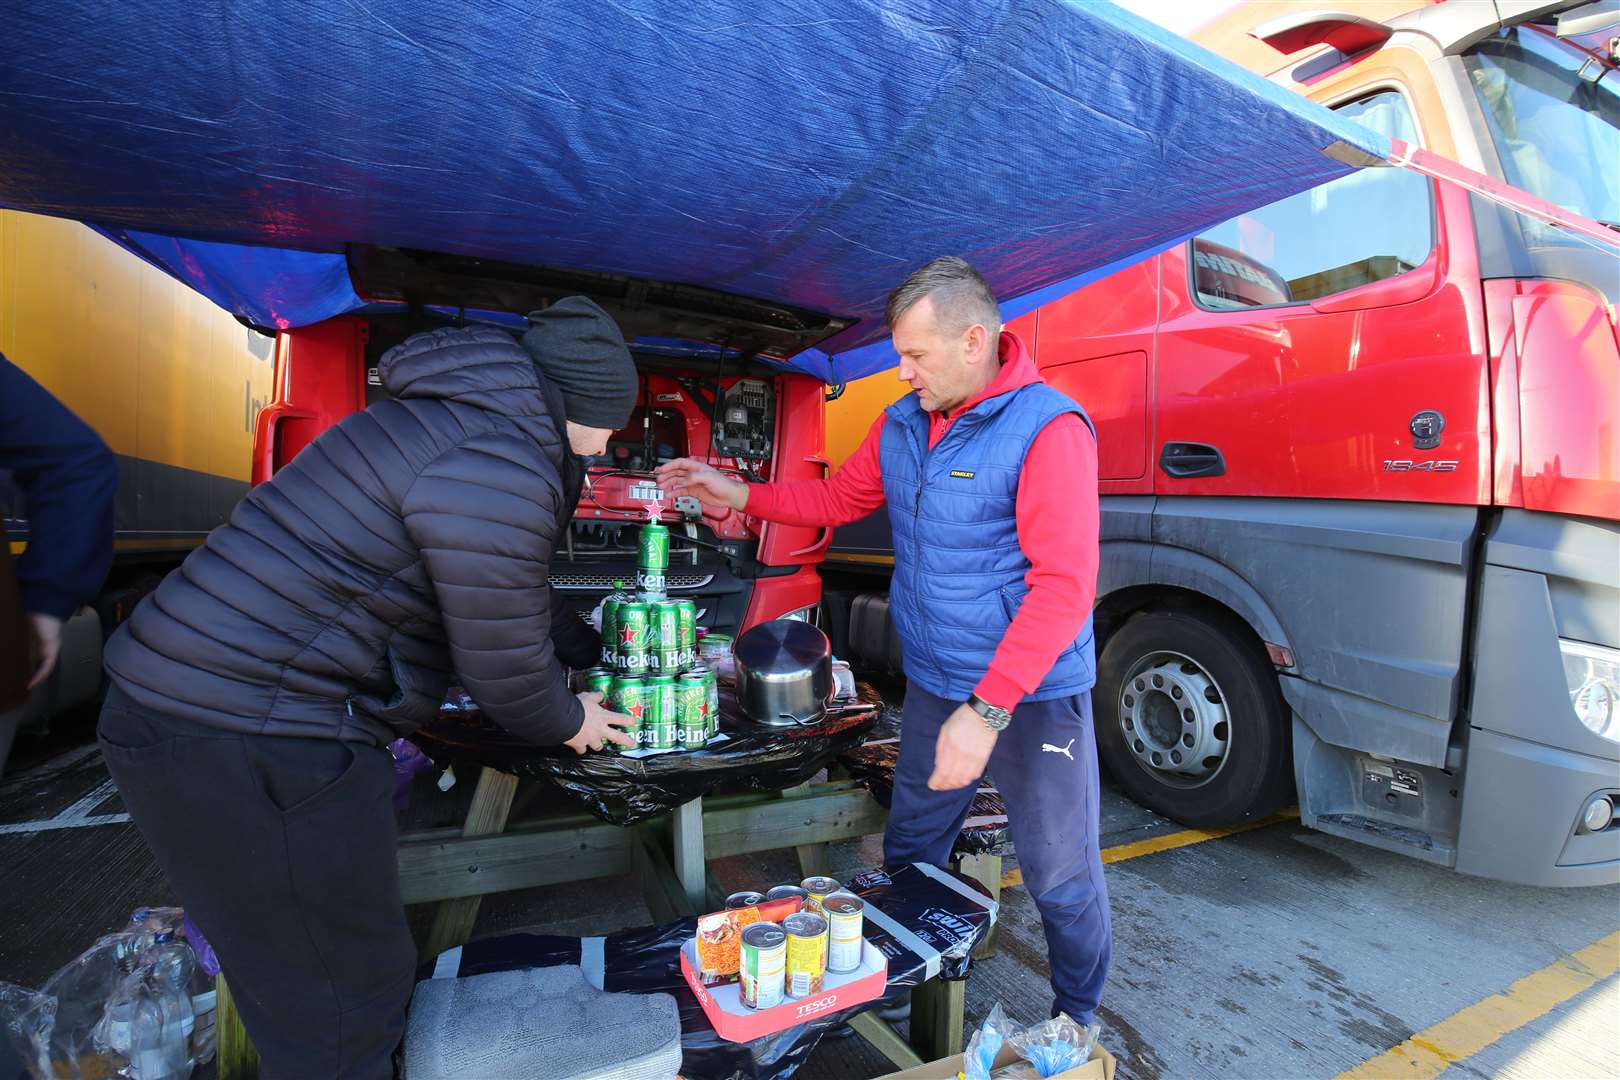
(171, 381)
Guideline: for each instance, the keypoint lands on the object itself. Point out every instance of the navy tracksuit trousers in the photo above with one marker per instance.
(1045, 765)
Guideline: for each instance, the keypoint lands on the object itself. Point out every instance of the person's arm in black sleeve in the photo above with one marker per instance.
(576, 644)
(485, 521)
(69, 480)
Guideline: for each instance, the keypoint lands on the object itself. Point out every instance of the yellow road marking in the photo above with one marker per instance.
(1465, 1033)
(1137, 848)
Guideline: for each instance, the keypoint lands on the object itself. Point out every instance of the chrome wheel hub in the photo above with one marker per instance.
(1174, 719)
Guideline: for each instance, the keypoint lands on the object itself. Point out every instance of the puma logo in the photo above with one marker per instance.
(1064, 749)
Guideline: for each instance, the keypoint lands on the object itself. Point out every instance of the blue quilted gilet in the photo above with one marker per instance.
(958, 569)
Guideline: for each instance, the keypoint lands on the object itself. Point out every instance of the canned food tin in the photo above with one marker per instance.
(806, 953)
(817, 889)
(666, 637)
(633, 630)
(692, 692)
(630, 696)
(659, 722)
(687, 610)
(845, 914)
(746, 898)
(763, 965)
(785, 892)
(713, 647)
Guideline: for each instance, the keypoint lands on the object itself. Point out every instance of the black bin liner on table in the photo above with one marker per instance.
(944, 915)
(984, 832)
(625, 790)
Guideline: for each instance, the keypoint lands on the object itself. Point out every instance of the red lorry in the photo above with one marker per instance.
(1360, 462)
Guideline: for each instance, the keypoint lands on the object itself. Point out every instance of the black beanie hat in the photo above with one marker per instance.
(579, 347)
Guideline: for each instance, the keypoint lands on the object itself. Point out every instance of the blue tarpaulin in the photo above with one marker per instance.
(808, 152)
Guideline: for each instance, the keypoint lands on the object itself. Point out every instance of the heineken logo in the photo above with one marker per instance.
(628, 636)
(962, 474)
(635, 710)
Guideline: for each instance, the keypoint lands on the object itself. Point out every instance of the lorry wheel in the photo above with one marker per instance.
(1190, 720)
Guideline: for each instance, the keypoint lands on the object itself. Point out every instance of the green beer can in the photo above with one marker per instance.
(633, 630)
(666, 638)
(630, 696)
(597, 680)
(688, 624)
(692, 693)
(610, 622)
(652, 559)
(660, 722)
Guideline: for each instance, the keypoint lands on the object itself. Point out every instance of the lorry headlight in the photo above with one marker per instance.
(811, 614)
(1593, 675)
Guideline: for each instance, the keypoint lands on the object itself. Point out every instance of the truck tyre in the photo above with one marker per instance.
(1190, 720)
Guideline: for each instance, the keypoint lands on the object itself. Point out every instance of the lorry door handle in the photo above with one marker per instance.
(1185, 460)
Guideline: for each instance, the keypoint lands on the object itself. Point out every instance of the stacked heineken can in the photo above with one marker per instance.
(649, 644)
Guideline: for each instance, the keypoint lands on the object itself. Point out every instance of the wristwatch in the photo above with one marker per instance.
(996, 719)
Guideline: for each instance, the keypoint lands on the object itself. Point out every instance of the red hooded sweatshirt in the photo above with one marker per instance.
(1057, 515)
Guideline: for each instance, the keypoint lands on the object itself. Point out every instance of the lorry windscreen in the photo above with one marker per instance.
(1556, 132)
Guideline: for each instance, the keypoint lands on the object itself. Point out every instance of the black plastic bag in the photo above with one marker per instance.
(626, 790)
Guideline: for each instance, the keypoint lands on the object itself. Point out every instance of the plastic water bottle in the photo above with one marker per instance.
(148, 1059)
(170, 979)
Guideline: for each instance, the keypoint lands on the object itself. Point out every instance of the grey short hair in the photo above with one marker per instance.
(961, 296)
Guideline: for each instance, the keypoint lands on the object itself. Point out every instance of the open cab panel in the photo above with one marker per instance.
(712, 386)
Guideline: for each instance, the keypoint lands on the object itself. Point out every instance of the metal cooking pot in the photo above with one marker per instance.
(784, 673)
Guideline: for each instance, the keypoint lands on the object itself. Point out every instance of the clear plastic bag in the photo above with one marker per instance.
(127, 1006)
(985, 1045)
(1055, 1045)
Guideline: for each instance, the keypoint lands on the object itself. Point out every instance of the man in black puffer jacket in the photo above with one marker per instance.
(255, 691)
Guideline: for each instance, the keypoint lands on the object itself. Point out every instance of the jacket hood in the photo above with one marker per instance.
(479, 365)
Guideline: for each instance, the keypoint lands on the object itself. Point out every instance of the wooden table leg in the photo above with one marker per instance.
(813, 859)
(491, 803)
(691, 868)
(986, 870)
(237, 1060)
(937, 1011)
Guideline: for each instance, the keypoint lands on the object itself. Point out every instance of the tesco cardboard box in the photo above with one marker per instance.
(1100, 1067)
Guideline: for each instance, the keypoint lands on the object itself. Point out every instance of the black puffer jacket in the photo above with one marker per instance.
(410, 541)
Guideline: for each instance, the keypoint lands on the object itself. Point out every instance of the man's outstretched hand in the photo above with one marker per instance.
(689, 476)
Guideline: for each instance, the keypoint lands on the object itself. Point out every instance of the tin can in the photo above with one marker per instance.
(762, 965)
(784, 892)
(610, 621)
(687, 610)
(630, 696)
(597, 680)
(845, 914)
(692, 693)
(817, 889)
(714, 648)
(806, 953)
(711, 699)
(652, 558)
(660, 720)
(667, 656)
(633, 629)
(746, 898)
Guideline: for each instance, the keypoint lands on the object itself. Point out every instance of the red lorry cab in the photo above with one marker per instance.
(1359, 456)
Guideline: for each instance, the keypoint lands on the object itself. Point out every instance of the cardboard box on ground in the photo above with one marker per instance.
(1100, 1067)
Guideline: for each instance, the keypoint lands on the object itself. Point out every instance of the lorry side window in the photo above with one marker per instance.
(1373, 224)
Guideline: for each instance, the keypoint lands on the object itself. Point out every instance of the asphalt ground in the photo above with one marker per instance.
(1270, 951)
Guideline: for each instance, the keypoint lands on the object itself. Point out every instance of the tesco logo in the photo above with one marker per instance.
(820, 1005)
